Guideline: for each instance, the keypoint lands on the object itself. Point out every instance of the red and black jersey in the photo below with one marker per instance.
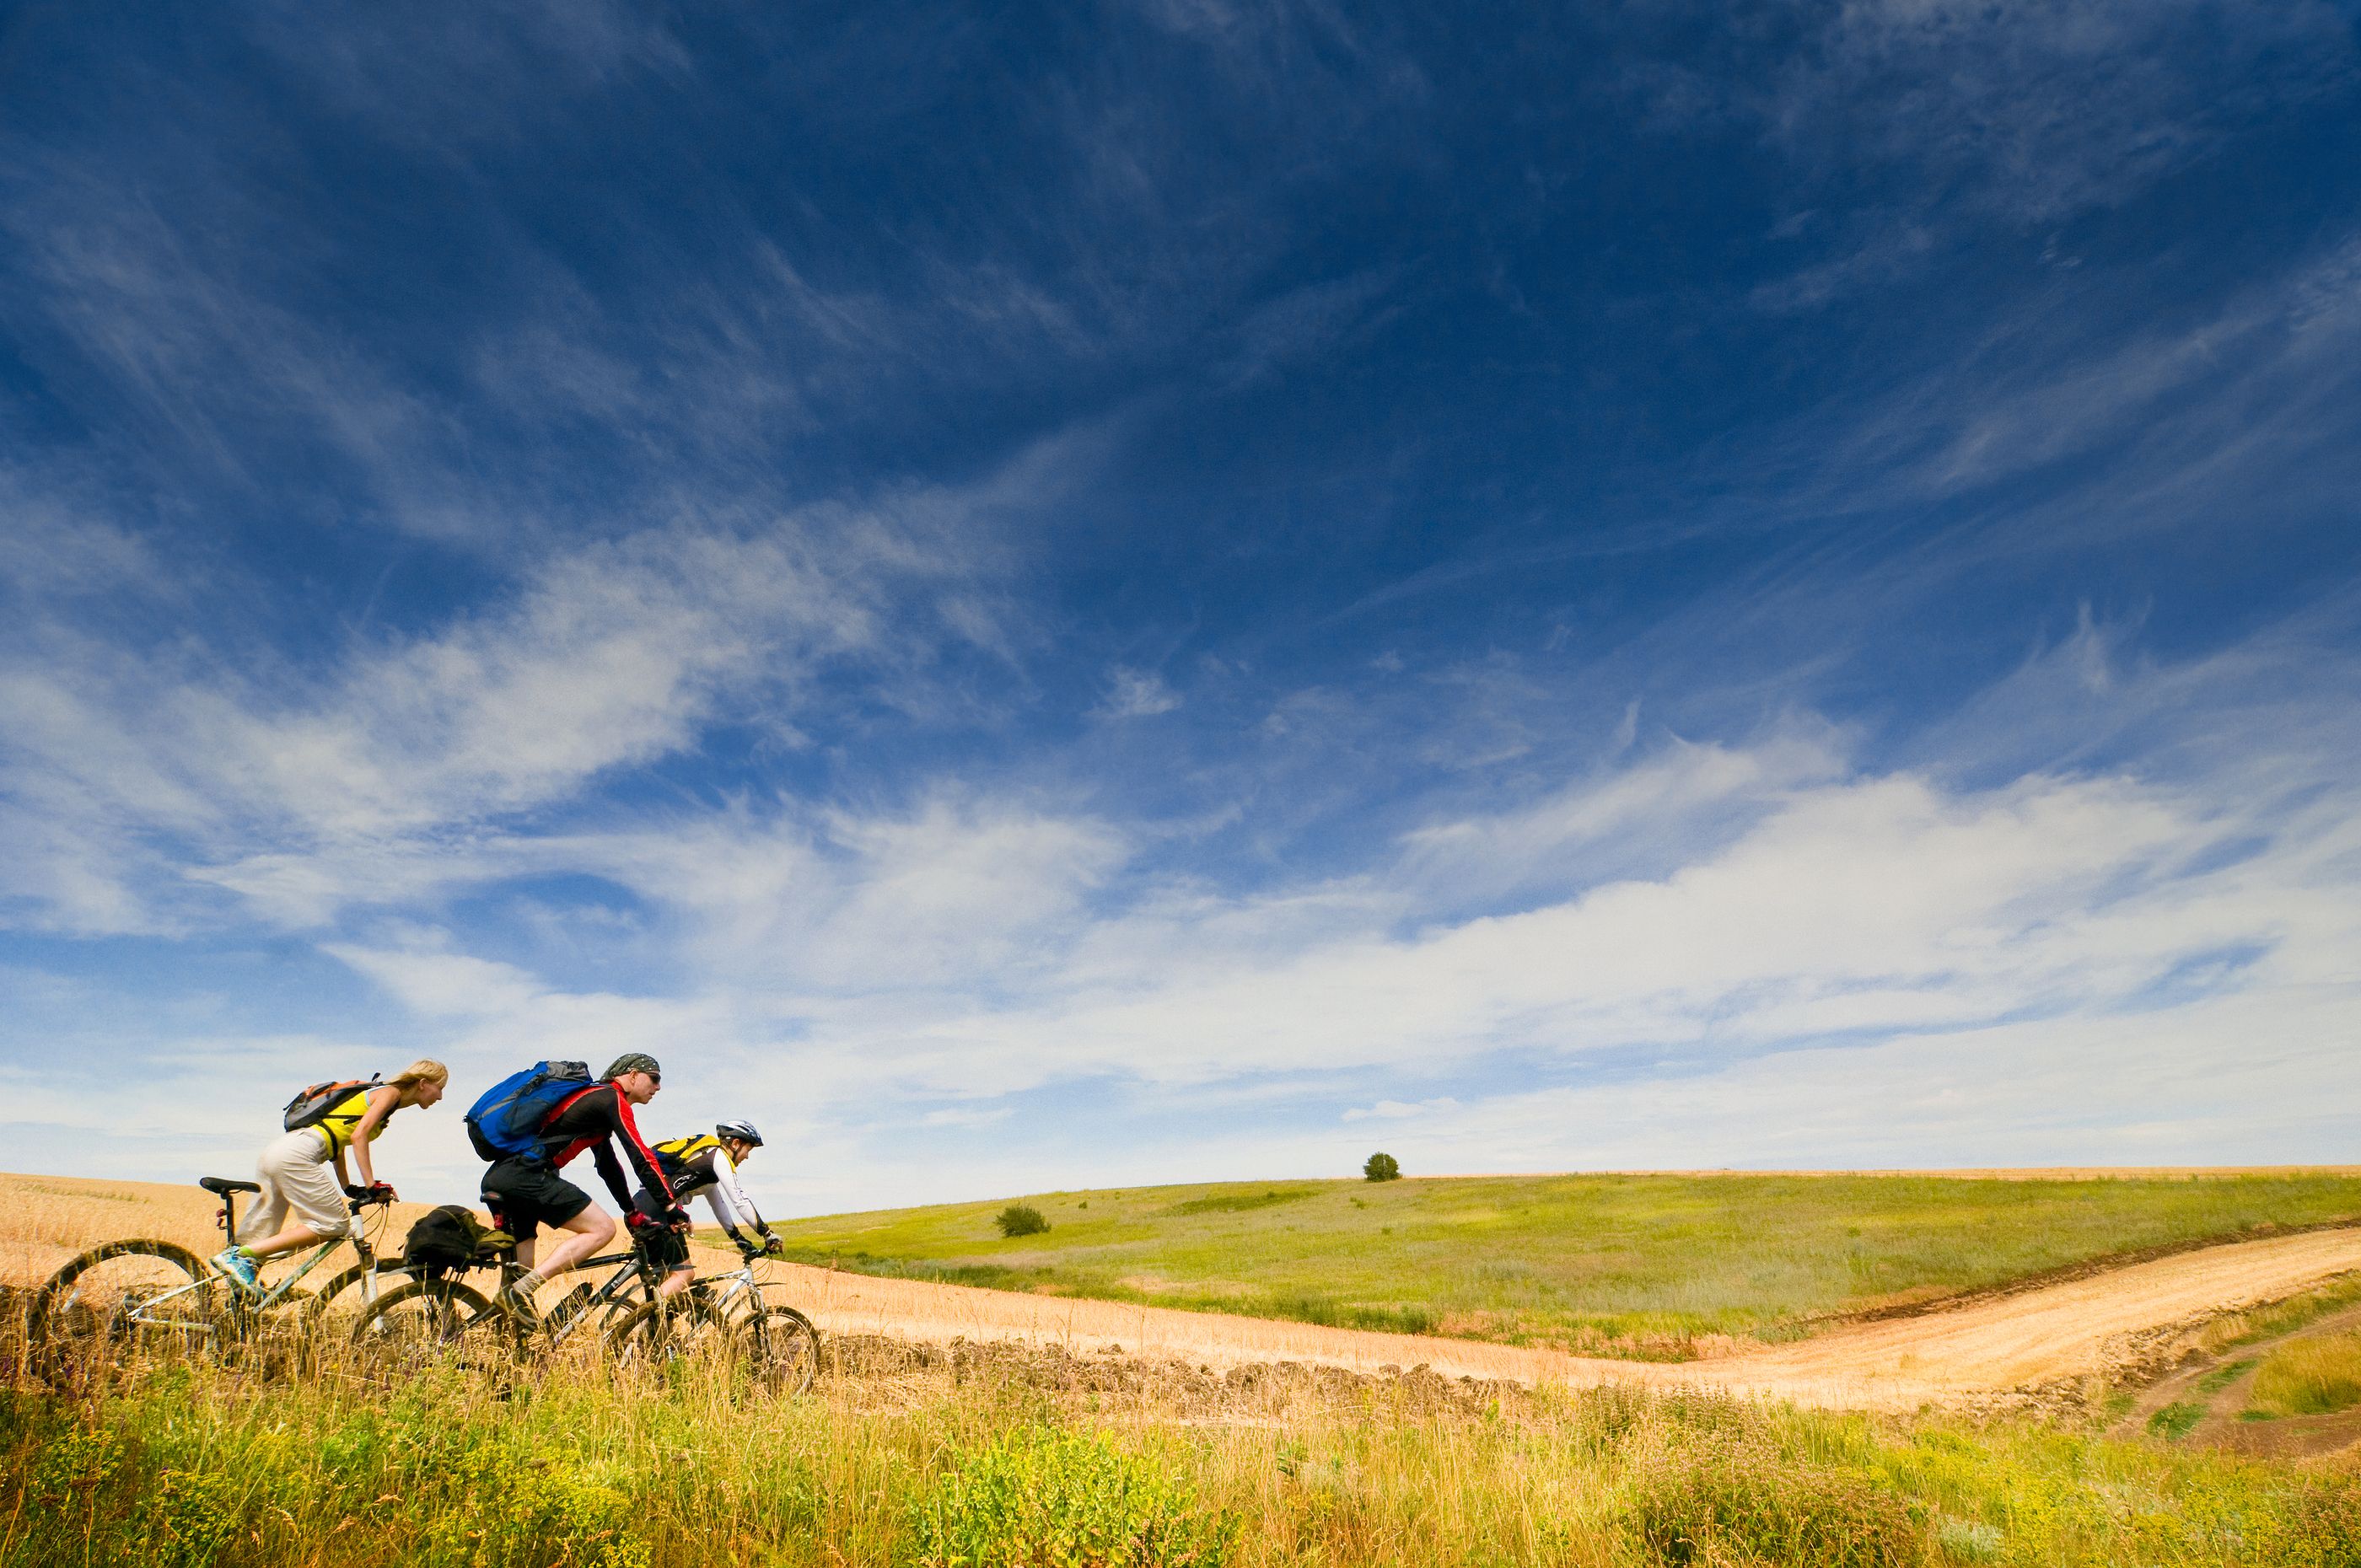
(597, 1119)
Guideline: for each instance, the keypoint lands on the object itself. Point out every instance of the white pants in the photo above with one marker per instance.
(295, 1174)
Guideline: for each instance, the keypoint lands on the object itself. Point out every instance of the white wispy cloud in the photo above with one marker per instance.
(2143, 1088)
(2025, 113)
(2050, 108)
(1400, 1110)
(140, 775)
(1136, 694)
(443, 984)
(956, 892)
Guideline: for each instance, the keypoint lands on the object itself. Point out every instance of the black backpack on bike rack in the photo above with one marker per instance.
(450, 1239)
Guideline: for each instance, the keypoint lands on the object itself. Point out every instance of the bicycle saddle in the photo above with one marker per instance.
(221, 1185)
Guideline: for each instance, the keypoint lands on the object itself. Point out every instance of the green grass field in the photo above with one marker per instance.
(1622, 1265)
(1006, 1466)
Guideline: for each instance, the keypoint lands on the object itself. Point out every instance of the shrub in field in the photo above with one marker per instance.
(525, 1508)
(1970, 1540)
(2321, 1528)
(1719, 1501)
(1039, 1498)
(74, 1464)
(1381, 1167)
(1021, 1220)
(72, 1484)
(193, 1516)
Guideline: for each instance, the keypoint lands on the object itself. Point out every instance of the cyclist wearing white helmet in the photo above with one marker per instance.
(706, 1166)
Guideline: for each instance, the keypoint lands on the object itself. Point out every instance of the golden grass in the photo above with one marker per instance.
(46, 1220)
(2311, 1376)
(578, 1464)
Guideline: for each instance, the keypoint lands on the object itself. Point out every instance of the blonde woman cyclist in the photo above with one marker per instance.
(294, 1172)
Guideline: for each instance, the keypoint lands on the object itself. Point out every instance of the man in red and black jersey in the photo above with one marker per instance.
(527, 1192)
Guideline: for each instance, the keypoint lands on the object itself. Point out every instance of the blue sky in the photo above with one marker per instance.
(1185, 589)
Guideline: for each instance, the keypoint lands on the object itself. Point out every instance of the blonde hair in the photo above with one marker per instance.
(425, 1070)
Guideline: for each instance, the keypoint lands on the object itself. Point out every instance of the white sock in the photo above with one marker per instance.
(527, 1283)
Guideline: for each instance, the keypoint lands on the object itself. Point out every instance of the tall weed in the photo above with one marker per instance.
(1042, 1498)
(519, 1508)
(1725, 1500)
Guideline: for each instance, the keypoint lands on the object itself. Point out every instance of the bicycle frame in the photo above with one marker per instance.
(631, 1268)
(366, 1251)
(243, 1303)
(743, 1283)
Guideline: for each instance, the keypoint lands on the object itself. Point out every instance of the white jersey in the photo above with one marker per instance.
(701, 1168)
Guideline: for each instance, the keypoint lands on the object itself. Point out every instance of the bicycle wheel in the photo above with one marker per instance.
(390, 1272)
(560, 1315)
(141, 1296)
(780, 1349)
(428, 1322)
(647, 1338)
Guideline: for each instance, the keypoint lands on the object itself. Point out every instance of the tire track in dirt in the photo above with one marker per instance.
(2222, 1382)
(2039, 1338)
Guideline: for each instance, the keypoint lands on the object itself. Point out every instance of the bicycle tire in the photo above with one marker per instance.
(644, 1337)
(352, 1275)
(781, 1348)
(426, 1322)
(61, 1323)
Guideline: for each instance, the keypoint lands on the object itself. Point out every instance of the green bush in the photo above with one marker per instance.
(1381, 1167)
(1021, 1220)
(2321, 1528)
(193, 1514)
(526, 1509)
(1041, 1499)
(1722, 1500)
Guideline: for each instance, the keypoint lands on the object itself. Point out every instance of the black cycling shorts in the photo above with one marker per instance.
(666, 1247)
(527, 1194)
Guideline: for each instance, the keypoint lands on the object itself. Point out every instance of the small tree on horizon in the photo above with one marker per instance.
(1021, 1220)
(1382, 1168)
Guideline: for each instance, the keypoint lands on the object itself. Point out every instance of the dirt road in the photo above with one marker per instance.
(2041, 1337)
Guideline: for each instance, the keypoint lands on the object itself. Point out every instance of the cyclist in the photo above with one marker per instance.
(293, 1171)
(526, 1192)
(705, 1166)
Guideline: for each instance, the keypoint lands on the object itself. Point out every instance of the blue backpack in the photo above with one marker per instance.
(506, 1120)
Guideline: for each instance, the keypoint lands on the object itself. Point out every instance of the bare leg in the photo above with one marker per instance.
(294, 1238)
(584, 1235)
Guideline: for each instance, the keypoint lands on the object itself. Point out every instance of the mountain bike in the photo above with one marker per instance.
(726, 1314)
(158, 1298)
(437, 1318)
